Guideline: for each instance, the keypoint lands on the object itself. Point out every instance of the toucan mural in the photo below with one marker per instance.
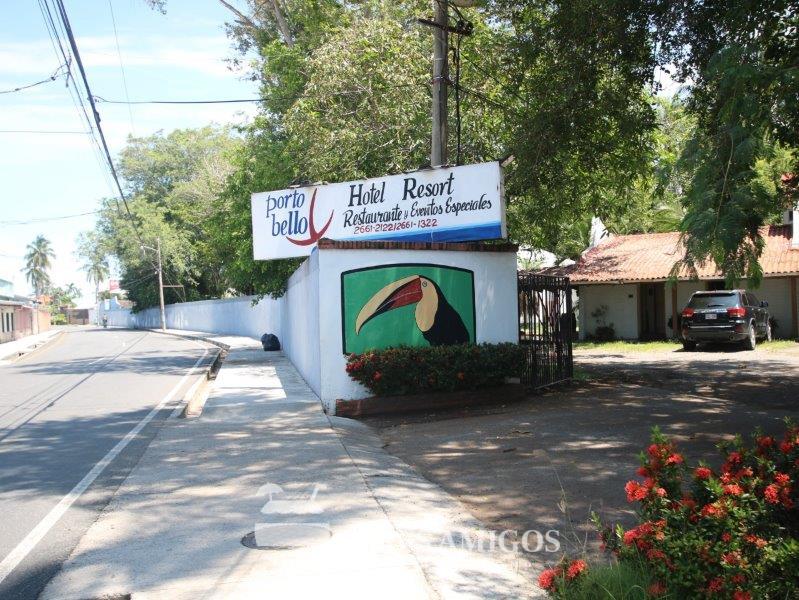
(410, 305)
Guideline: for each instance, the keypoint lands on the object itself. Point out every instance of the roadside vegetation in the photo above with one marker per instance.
(729, 531)
(575, 99)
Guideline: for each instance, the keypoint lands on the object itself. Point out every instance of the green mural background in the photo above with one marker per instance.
(397, 327)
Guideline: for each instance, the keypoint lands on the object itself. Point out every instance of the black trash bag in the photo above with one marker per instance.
(270, 342)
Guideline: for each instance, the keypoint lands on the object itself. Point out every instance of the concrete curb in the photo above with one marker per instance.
(194, 399)
(30, 350)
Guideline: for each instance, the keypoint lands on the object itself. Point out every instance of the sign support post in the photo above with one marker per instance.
(438, 155)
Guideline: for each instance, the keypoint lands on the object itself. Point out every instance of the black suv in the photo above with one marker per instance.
(725, 316)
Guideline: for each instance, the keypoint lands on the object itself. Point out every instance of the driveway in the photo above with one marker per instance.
(553, 459)
(765, 377)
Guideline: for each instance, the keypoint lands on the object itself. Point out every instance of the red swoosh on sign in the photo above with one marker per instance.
(314, 236)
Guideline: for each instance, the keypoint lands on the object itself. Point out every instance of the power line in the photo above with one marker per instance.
(44, 131)
(46, 219)
(221, 101)
(56, 74)
(76, 53)
(121, 66)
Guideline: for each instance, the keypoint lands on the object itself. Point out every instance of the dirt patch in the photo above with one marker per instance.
(551, 460)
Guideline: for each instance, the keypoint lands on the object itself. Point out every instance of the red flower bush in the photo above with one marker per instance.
(556, 580)
(405, 370)
(732, 535)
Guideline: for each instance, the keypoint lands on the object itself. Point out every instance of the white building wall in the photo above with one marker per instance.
(777, 292)
(495, 292)
(300, 322)
(621, 301)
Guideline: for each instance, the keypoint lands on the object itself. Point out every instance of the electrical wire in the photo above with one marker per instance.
(56, 74)
(44, 131)
(100, 99)
(47, 219)
(121, 66)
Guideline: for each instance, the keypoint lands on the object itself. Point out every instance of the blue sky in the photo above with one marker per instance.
(180, 55)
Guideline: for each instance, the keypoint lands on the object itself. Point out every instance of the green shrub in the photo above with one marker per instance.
(411, 370)
(58, 319)
(618, 581)
(727, 533)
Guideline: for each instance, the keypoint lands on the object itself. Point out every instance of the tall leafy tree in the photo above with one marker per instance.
(38, 262)
(741, 60)
(95, 261)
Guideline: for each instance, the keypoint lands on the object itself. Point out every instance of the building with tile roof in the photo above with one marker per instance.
(624, 282)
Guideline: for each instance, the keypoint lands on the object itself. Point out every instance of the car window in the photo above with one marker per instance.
(753, 301)
(719, 300)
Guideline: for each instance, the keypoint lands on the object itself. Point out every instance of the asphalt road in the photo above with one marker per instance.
(77, 414)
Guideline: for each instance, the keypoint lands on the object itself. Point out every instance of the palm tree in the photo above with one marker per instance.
(72, 291)
(97, 271)
(38, 263)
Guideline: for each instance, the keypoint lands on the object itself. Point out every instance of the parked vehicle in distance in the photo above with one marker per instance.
(725, 316)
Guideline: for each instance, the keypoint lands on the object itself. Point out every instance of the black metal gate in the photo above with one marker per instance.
(546, 327)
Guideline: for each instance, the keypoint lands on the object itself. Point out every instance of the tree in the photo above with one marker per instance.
(95, 261)
(38, 262)
(741, 61)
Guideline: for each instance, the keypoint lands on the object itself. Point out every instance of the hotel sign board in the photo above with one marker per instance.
(448, 204)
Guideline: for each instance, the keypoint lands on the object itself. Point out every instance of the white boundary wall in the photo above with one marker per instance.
(307, 319)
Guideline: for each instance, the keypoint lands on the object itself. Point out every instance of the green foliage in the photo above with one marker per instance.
(741, 59)
(412, 370)
(173, 184)
(38, 261)
(617, 581)
(726, 533)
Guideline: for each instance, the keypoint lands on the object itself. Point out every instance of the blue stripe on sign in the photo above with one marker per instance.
(485, 231)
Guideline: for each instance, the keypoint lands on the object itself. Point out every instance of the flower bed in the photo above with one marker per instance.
(731, 532)
(407, 370)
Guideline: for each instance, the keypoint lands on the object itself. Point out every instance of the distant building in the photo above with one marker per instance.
(18, 315)
(623, 282)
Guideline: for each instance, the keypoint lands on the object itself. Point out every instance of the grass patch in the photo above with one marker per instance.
(619, 581)
(629, 346)
(778, 345)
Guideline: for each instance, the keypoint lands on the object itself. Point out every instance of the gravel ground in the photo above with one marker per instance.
(551, 460)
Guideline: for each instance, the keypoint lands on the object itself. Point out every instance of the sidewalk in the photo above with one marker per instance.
(334, 515)
(10, 350)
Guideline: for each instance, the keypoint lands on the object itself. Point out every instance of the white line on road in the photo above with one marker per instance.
(18, 554)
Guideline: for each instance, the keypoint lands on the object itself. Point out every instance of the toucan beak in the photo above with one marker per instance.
(402, 292)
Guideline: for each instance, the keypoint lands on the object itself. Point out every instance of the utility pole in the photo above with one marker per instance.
(160, 284)
(438, 156)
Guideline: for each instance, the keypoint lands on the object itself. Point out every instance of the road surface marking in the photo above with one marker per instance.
(18, 554)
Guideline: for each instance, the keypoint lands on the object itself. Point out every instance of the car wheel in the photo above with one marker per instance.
(751, 341)
(688, 346)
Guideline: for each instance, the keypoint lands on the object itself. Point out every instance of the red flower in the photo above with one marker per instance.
(715, 585)
(714, 510)
(656, 589)
(734, 457)
(738, 578)
(547, 579)
(772, 494)
(786, 447)
(757, 541)
(731, 558)
(703, 473)
(782, 478)
(739, 595)
(461, 375)
(643, 471)
(655, 554)
(653, 451)
(765, 441)
(726, 537)
(577, 567)
(377, 376)
(635, 491)
(733, 489)
(674, 459)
